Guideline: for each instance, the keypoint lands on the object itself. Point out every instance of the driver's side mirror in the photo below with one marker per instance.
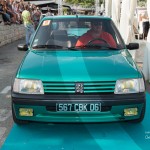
(22, 47)
(132, 46)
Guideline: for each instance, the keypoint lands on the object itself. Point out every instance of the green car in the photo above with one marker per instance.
(65, 77)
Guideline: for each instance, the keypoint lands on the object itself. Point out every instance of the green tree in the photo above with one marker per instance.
(142, 2)
(86, 3)
(92, 2)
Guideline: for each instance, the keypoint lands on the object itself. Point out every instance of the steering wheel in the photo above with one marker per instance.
(99, 39)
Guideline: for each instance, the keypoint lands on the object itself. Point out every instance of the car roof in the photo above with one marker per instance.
(76, 16)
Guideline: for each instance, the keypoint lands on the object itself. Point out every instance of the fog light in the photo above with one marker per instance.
(130, 112)
(25, 111)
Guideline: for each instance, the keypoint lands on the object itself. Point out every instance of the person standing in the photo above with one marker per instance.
(145, 23)
(28, 23)
(48, 12)
(36, 16)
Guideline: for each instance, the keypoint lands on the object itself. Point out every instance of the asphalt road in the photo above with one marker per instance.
(10, 58)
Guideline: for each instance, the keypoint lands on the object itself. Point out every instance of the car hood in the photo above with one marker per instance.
(103, 65)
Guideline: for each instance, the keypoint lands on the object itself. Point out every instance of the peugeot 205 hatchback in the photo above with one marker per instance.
(60, 80)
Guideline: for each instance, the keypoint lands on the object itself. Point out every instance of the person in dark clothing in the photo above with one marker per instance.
(145, 29)
(5, 16)
(145, 24)
(36, 17)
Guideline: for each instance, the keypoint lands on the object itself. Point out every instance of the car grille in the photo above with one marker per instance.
(88, 87)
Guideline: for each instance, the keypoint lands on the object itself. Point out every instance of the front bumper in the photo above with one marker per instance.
(44, 107)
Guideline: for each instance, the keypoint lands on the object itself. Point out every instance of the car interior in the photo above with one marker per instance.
(59, 37)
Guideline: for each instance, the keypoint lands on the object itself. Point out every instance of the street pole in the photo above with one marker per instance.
(108, 6)
(96, 7)
(60, 7)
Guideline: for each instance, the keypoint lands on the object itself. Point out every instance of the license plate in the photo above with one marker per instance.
(78, 107)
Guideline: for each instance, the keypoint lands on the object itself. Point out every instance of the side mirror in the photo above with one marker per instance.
(132, 46)
(22, 47)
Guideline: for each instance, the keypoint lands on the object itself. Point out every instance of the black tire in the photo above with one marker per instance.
(17, 121)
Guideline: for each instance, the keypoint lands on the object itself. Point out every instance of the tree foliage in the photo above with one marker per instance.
(86, 3)
(142, 2)
(89, 3)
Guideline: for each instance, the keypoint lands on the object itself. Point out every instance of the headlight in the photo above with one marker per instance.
(26, 86)
(129, 86)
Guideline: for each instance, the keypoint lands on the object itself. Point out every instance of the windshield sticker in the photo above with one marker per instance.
(46, 23)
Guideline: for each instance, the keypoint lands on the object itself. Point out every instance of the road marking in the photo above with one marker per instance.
(6, 90)
(2, 132)
(4, 114)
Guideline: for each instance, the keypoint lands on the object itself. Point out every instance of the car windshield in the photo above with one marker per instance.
(77, 33)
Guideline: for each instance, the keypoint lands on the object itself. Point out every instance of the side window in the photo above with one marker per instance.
(73, 24)
(84, 24)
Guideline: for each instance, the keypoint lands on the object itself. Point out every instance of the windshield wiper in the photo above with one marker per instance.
(80, 47)
(113, 48)
(75, 48)
(100, 46)
(47, 46)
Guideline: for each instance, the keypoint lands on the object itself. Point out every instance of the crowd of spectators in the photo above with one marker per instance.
(11, 11)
